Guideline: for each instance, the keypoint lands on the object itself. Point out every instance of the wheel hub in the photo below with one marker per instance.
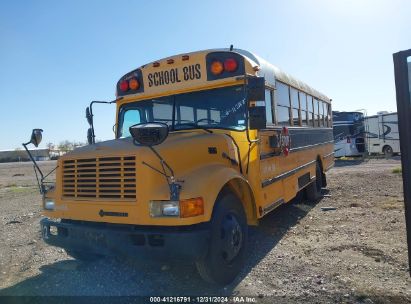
(231, 237)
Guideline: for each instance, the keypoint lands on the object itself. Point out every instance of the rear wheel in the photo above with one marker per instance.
(228, 241)
(388, 152)
(313, 190)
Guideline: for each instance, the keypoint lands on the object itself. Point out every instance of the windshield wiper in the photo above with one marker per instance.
(192, 124)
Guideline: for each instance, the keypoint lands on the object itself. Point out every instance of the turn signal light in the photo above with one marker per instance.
(217, 67)
(133, 84)
(192, 207)
(230, 65)
(124, 85)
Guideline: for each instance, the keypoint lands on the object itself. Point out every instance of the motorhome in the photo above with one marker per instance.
(382, 135)
(348, 128)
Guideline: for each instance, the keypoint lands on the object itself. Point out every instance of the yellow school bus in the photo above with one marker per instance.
(206, 144)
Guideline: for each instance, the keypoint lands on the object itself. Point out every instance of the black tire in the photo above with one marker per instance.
(313, 190)
(83, 255)
(388, 152)
(228, 242)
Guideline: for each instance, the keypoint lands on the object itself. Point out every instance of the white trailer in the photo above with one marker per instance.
(382, 134)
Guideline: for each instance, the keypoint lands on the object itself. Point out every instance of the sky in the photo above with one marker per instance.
(57, 56)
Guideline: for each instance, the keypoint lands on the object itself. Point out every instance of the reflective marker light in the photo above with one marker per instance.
(192, 207)
(230, 65)
(49, 205)
(124, 85)
(217, 67)
(133, 84)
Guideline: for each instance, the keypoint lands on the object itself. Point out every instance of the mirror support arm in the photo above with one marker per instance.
(173, 185)
(250, 141)
(36, 168)
(91, 113)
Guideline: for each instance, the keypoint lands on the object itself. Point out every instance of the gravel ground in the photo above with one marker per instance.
(299, 253)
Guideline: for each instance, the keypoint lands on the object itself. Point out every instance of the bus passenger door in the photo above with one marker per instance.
(272, 191)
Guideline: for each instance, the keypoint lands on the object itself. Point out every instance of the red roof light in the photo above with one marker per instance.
(230, 65)
(124, 85)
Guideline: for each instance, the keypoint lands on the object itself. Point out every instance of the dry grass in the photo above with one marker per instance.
(397, 170)
(391, 205)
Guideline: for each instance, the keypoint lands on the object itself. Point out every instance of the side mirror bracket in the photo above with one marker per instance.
(152, 134)
(35, 139)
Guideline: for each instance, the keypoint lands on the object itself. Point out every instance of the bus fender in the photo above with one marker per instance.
(210, 181)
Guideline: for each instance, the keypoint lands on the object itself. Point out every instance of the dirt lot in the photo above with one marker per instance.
(299, 253)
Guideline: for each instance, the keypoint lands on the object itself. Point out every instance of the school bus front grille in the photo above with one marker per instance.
(104, 178)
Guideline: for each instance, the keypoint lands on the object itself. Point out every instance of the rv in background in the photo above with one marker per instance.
(382, 134)
(348, 128)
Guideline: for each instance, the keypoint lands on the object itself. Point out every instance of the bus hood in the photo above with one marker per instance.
(176, 141)
(183, 151)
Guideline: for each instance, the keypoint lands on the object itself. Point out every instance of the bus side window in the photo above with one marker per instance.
(310, 111)
(303, 105)
(321, 104)
(269, 106)
(282, 100)
(325, 114)
(329, 117)
(295, 107)
(316, 113)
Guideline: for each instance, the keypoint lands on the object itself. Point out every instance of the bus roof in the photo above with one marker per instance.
(272, 73)
(266, 69)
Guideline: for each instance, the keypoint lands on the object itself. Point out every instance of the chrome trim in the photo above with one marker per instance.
(272, 154)
(310, 146)
(269, 181)
(272, 206)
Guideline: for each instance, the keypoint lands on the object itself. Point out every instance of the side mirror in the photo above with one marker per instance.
(256, 92)
(149, 134)
(36, 136)
(90, 136)
(256, 88)
(89, 116)
(257, 118)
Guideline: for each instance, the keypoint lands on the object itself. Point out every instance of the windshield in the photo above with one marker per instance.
(342, 131)
(222, 108)
(347, 116)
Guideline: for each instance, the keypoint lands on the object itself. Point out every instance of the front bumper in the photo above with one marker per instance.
(116, 239)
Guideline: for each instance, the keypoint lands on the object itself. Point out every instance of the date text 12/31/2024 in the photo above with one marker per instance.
(203, 299)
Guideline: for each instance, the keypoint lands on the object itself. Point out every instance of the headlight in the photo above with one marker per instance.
(185, 208)
(164, 208)
(49, 204)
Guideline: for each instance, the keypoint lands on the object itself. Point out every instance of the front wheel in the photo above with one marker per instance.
(228, 242)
